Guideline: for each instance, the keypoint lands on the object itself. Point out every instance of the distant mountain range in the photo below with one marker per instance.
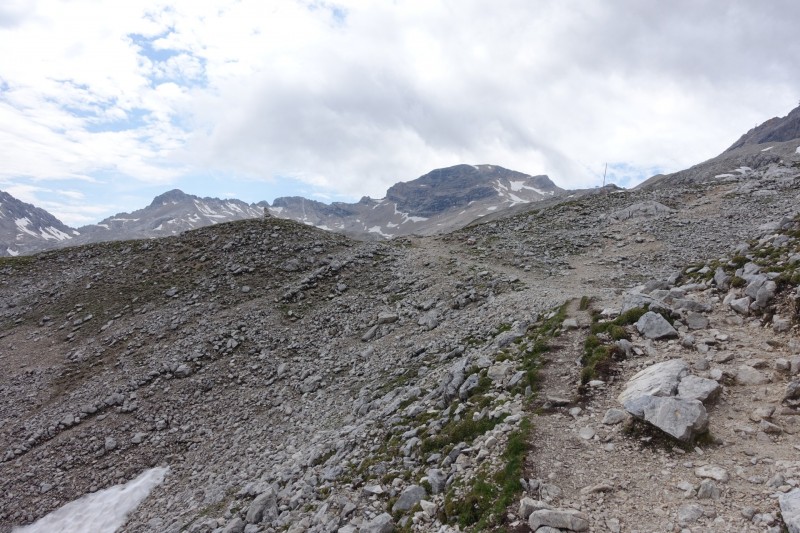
(439, 201)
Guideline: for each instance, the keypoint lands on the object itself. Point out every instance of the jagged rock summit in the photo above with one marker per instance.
(774, 130)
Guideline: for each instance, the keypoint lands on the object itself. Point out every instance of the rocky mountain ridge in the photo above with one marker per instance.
(170, 213)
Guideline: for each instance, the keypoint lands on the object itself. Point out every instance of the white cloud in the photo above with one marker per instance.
(352, 96)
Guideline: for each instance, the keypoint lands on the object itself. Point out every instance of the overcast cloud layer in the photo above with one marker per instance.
(104, 104)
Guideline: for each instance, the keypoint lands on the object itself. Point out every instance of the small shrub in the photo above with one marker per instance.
(631, 316)
(618, 333)
(738, 282)
(738, 261)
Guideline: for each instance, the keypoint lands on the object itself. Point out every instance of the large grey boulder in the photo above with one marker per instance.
(451, 383)
(528, 506)
(697, 388)
(437, 479)
(380, 524)
(790, 510)
(264, 507)
(568, 519)
(236, 525)
(654, 326)
(741, 305)
(661, 379)
(721, 279)
(756, 283)
(409, 498)
(683, 419)
(633, 300)
(765, 294)
(651, 396)
(792, 391)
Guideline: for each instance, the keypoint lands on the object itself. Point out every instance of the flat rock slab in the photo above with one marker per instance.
(712, 472)
(696, 320)
(661, 379)
(790, 510)
(683, 419)
(568, 519)
(654, 326)
(409, 498)
(747, 375)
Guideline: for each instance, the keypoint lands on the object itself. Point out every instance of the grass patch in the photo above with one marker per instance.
(17, 263)
(737, 282)
(600, 349)
(464, 430)
(483, 505)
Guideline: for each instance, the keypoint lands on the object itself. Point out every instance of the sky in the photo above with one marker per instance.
(106, 104)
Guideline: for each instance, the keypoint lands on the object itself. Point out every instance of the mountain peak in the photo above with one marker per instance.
(170, 197)
(459, 185)
(776, 129)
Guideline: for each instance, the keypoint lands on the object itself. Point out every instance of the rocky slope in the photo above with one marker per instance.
(25, 228)
(294, 379)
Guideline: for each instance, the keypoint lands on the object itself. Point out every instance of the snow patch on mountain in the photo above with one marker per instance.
(104, 511)
(407, 217)
(22, 224)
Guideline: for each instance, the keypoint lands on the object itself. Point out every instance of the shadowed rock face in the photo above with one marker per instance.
(774, 130)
